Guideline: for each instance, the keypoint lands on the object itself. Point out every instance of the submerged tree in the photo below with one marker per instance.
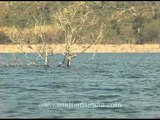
(78, 25)
(26, 38)
(20, 37)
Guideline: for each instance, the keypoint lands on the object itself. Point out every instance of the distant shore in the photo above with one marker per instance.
(108, 48)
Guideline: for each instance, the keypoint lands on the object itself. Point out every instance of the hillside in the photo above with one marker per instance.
(120, 26)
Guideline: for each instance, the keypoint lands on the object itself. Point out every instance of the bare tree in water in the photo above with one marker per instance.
(77, 23)
(26, 38)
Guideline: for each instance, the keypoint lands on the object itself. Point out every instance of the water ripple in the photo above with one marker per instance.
(126, 79)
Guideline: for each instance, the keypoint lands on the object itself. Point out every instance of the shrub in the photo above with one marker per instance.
(4, 39)
(150, 33)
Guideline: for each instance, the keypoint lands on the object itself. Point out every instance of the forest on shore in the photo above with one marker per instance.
(125, 22)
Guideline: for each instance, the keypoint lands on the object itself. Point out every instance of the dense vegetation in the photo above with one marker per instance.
(119, 29)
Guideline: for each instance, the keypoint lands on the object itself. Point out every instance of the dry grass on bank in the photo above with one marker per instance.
(78, 48)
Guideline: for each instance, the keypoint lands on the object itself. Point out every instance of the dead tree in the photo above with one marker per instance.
(77, 23)
(19, 36)
(22, 37)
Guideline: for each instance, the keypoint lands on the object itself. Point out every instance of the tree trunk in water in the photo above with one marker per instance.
(68, 62)
(46, 60)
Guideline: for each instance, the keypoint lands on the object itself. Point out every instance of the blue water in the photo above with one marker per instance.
(131, 80)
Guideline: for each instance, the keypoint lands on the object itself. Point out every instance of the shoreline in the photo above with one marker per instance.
(107, 48)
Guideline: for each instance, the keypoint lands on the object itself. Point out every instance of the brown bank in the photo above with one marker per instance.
(109, 48)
